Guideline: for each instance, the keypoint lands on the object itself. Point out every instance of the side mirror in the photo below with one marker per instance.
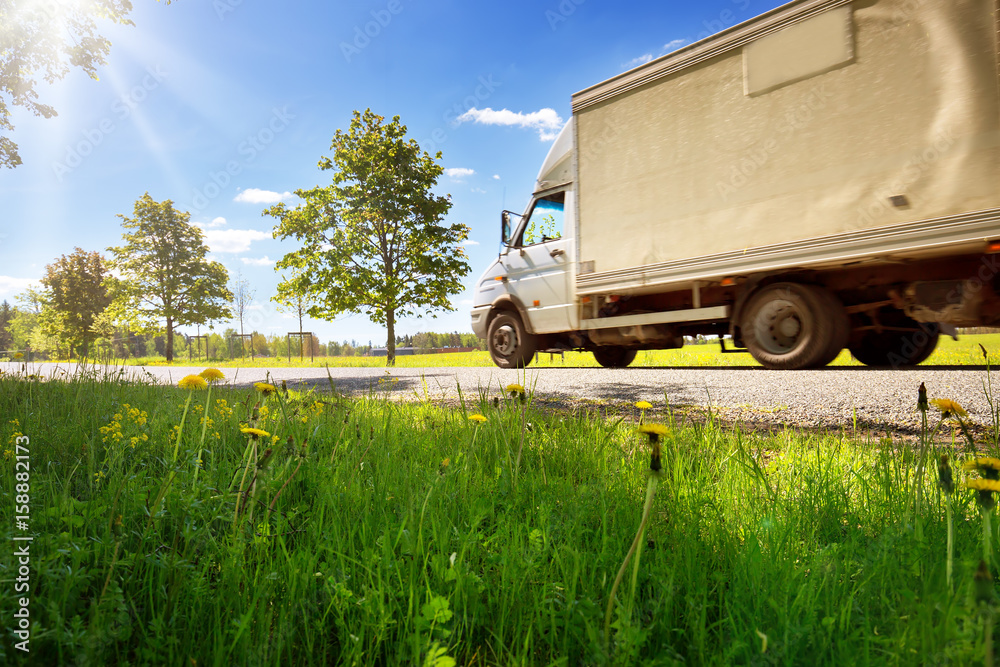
(505, 228)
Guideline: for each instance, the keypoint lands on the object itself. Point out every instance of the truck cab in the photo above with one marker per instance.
(524, 300)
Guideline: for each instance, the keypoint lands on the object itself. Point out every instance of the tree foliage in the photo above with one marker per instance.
(163, 273)
(373, 241)
(6, 315)
(43, 39)
(75, 294)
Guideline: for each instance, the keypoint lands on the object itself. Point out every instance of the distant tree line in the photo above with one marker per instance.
(20, 331)
(433, 341)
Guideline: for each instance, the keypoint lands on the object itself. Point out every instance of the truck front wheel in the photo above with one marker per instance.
(612, 356)
(793, 326)
(510, 345)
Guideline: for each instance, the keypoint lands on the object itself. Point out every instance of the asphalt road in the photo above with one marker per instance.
(831, 397)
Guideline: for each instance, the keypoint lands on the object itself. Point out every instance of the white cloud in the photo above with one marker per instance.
(257, 261)
(215, 223)
(469, 242)
(496, 177)
(546, 121)
(669, 47)
(11, 287)
(458, 173)
(641, 60)
(257, 196)
(233, 240)
(673, 45)
(479, 191)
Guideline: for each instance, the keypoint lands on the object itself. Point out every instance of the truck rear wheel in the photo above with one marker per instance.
(907, 344)
(510, 345)
(841, 327)
(613, 356)
(793, 326)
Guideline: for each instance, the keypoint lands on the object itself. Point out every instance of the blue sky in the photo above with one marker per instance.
(226, 106)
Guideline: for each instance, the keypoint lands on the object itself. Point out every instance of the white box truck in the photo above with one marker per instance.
(826, 175)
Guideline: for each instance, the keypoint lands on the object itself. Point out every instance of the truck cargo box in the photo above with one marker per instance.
(822, 131)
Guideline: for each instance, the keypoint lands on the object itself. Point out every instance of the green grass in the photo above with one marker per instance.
(380, 533)
(963, 352)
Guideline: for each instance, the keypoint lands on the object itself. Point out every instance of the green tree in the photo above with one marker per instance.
(43, 40)
(243, 295)
(6, 315)
(76, 294)
(374, 241)
(30, 325)
(163, 273)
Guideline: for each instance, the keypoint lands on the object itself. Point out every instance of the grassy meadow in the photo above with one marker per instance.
(963, 352)
(369, 532)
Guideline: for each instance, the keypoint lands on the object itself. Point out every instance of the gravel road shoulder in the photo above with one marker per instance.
(851, 398)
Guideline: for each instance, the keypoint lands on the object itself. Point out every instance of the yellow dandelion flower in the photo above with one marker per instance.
(477, 418)
(980, 464)
(255, 433)
(515, 389)
(644, 405)
(985, 488)
(264, 388)
(446, 463)
(18, 356)
(990, 485)
(192, 382)
(986, 466)
(949, 407)
(653, 432)
(212, 375)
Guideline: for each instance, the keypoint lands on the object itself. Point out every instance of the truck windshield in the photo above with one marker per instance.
(546, 220)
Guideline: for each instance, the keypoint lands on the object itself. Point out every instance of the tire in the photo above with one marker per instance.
(792, 326)
(841, 328)
(612, 356)
(510, 345)
(896, 349)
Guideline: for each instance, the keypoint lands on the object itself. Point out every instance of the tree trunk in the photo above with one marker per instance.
(390, 344)
(170, 339)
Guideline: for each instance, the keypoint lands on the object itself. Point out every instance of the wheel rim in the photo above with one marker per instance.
(778, 326)
(505, 340)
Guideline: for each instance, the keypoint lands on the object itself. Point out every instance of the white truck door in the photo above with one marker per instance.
(538, 265)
